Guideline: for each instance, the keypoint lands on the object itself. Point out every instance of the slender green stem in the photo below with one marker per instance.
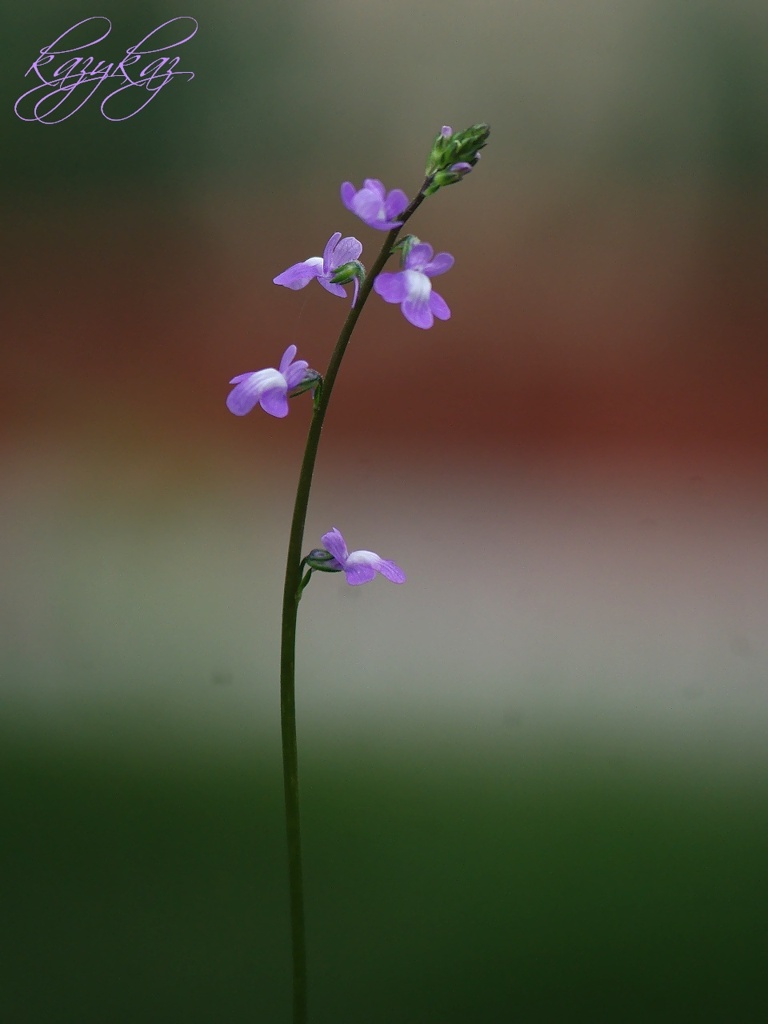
(291, 597)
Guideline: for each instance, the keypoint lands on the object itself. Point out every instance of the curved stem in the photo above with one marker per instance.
(291, 597)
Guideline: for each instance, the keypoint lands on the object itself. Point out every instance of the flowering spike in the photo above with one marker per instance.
(454, 155)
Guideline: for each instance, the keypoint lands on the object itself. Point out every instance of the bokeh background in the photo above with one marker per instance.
(534, 779)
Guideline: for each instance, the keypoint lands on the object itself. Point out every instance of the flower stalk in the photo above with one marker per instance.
(292, 591)
(453, 155)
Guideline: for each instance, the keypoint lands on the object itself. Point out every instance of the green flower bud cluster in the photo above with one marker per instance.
(454, 154)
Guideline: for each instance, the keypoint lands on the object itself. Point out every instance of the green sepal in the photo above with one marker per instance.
(312, 380)
(348, 272)
(318, 558)
(404, 246)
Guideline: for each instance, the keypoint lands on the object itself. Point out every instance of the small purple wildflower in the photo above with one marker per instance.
(359, 566)
(269, 388)
(373, 205)
(412, 288)
(338, 251)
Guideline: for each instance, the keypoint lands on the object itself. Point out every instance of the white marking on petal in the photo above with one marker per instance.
(417, 286)
(363, 558)
(270, 378)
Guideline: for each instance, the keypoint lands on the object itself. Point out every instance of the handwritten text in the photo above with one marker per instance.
(67, 86)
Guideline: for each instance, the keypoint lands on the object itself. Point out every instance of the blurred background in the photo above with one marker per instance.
(534, 780)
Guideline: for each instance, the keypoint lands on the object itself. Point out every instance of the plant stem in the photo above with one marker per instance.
(291, 597)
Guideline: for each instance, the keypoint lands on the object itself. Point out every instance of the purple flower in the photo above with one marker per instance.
(269, 388)
(335, 255)
(372, 204)
(412, 288)
(359, 566)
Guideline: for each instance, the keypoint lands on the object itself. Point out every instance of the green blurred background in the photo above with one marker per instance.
(534, 780)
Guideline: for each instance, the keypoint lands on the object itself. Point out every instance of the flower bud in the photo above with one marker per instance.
(462, 167)
(440, 148)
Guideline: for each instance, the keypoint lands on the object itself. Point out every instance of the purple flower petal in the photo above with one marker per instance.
(275, 402)
(439, 306)
(334, 289)
(330, 245)
(374, 185)
(334, 542)
(348, 193)
(346, 251)
(415, 305)
(368, 207)
(395, 204)
(241, 401)
(391, 571)
(419, 256)
(417, 312)
(391, 287)
(362, 566)
(295, 373)
(442, 262)
(287, 359)
(359, 574)
(300, 274)
(372, 204)
(250, 388)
